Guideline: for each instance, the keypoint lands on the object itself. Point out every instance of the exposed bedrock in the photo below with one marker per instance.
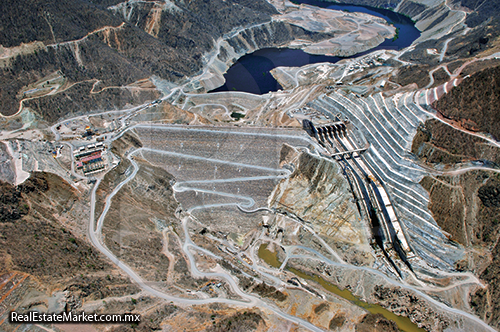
(229, 50)
(433, 17)
(318, 193)
(284, 34)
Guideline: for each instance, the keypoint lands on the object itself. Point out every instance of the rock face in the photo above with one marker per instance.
(7, 169)
(318, 193)
(353, 32)
(230, 49)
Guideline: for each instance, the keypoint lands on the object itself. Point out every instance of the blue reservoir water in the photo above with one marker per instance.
(251, 72)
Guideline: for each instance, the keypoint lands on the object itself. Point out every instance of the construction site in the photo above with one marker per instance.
(90, 159)
(371, 197)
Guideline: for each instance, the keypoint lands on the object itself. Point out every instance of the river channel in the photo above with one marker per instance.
(251, 72)
(403, 323)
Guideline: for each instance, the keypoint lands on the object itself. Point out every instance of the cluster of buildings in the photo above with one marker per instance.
(89, 159)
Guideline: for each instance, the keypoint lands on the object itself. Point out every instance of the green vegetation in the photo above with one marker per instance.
(396, 36)
(237, 116)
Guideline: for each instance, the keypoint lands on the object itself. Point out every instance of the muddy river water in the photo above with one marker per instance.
(404, 323)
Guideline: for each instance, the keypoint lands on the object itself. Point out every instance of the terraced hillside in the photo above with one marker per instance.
(217, 211)
(389, 125)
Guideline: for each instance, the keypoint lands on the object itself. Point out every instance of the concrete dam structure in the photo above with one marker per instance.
(372, 199)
